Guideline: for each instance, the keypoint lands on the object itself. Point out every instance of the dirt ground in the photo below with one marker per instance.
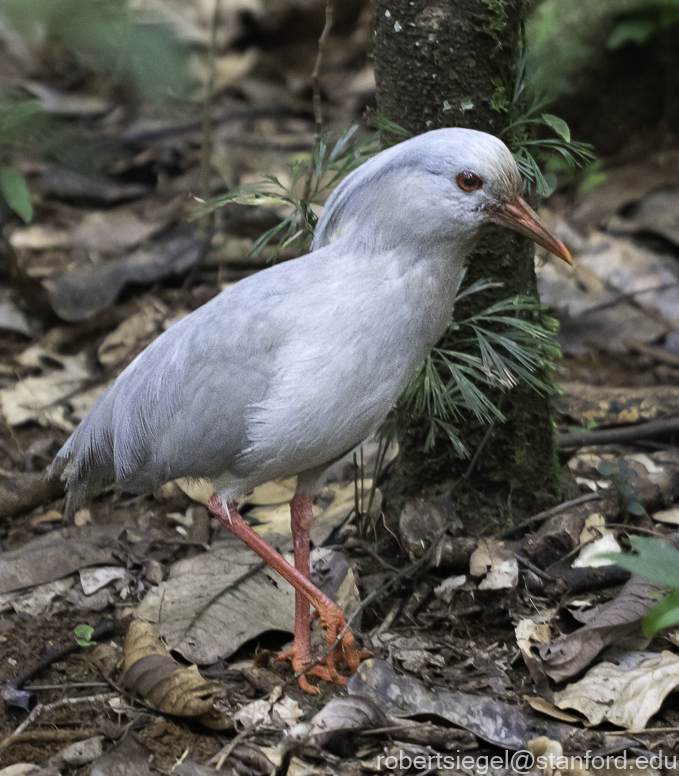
(490, 629)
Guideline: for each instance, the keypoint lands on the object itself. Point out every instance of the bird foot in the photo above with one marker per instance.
(344, 653)
(323, 670)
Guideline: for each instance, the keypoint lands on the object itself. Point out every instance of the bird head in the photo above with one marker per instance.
(445, 185)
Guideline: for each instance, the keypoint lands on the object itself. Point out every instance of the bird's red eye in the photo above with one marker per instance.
(469, 181)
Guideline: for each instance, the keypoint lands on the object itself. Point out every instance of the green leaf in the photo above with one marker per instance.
(637, 30)
(664, 614)
(605, 468)
(13, 115)
(635, 508)
(558, 125)
(261, 198)
(15, 191)
(83, 635)
(655, 559)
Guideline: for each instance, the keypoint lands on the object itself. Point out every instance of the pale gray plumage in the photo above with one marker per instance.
(296, 365)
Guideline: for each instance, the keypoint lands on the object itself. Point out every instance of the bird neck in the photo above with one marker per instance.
(410, 288)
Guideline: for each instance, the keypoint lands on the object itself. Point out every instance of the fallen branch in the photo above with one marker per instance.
(55, 735)
(659, 354)
(616, 435)
(542, 516)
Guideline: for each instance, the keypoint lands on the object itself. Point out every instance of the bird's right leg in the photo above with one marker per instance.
(330, 614)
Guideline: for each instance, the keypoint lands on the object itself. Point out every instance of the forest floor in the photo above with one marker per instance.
(487, 638)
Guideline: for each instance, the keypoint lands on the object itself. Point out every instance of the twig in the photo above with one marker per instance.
(648, 731)
(657, 353)
(535, 569)
(74, 685)
(56, 735)
(541, 516)
(207, 222)
(636, 528)
(404, 573)
(386, 566)
(222, 756)
(486, 438)
(316, 88)
(612, 435)
(207, 141)
(47, 707)
(56, 654)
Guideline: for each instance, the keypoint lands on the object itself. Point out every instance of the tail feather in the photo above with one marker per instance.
(85, 462)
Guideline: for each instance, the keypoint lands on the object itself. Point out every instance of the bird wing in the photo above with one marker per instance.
(179, 409)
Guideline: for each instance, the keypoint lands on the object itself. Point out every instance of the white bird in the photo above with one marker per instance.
(291, 368)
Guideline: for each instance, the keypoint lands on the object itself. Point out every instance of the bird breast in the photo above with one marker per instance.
(356, 342)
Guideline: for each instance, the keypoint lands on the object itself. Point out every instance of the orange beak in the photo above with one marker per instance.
(521, 218)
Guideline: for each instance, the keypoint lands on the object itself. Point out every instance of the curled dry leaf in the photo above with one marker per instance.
(610, 623)
(162, 683)
(529, 634)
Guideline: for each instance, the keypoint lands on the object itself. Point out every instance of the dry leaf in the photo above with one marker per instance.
(623, 695)
(57, 555)
(94, 579)
(155, 677)
(609, 623)
(343, 714)
(545, 707)
(214, 602)
(591, 555)
(42, 399)
(551, 761)
(497, 562)
(499, 723)
(670, 516)
(80, 294)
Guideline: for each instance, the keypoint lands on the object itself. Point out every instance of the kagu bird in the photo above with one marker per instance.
(291, 368)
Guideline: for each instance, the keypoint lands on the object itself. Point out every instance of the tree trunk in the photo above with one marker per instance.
(442, 63)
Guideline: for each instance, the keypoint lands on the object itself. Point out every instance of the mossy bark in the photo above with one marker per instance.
(442, 63)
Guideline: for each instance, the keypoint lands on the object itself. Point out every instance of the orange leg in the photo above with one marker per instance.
(331, 615)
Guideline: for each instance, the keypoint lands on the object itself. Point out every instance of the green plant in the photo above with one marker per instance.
(628, 498)
(583, 429)
(494, 349)
(83, 635)
(530, 152)
(15, 115)
(328, 164)
(658, 561)
(640, 22)
(110, 37)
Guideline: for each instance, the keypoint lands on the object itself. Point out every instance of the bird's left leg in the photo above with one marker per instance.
(301, 517)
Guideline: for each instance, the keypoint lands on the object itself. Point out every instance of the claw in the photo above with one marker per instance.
(345, 653)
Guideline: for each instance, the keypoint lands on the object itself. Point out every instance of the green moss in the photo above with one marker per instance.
(499, 100)
(495, 19)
